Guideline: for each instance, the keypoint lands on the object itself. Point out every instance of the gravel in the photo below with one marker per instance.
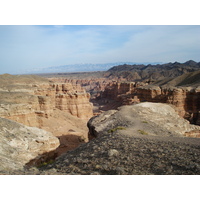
(117, 154)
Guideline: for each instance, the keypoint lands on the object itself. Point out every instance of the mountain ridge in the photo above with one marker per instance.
(82, 67)
(153, 72)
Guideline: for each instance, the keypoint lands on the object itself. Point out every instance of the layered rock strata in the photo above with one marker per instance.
(94, 86)
(40, 100)
(185, 99)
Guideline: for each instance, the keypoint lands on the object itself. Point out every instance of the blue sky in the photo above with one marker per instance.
(27, 48)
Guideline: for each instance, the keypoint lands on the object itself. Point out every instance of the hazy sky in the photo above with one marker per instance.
(25, 48)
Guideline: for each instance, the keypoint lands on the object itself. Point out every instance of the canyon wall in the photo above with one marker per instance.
(185, 99)
(94, 86)
(109, 94)
(41, 100)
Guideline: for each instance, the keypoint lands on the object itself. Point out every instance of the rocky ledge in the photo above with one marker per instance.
(132, 140)
(147, 118)
(118, 154)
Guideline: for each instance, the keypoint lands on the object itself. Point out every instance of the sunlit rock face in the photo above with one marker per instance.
(26, 101)
(19, 144)
(185, 99)
(73, 99)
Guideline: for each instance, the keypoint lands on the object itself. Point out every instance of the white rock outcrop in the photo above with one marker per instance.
(19, 144)
(157, 119)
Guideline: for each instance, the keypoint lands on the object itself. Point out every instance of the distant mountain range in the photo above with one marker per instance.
(153, 72)
(131, 71)
(83, 67)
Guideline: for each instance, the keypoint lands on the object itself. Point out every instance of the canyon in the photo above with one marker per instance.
(75, 109)
(61, 109)
(185, 99)
(109, 93)
(27, 101)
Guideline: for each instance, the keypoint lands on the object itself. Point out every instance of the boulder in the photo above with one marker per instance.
(19, 144)
(147, 118)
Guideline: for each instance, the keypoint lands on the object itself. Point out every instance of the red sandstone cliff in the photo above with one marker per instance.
(94, 86)
(185, 99)
(109, 94)
(42, 99)
(60, 108)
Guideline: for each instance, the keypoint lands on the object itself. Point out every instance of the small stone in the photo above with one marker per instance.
(113, 152)
(97, 166)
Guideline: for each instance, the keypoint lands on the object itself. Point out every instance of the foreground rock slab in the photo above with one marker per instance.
(19, 144)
